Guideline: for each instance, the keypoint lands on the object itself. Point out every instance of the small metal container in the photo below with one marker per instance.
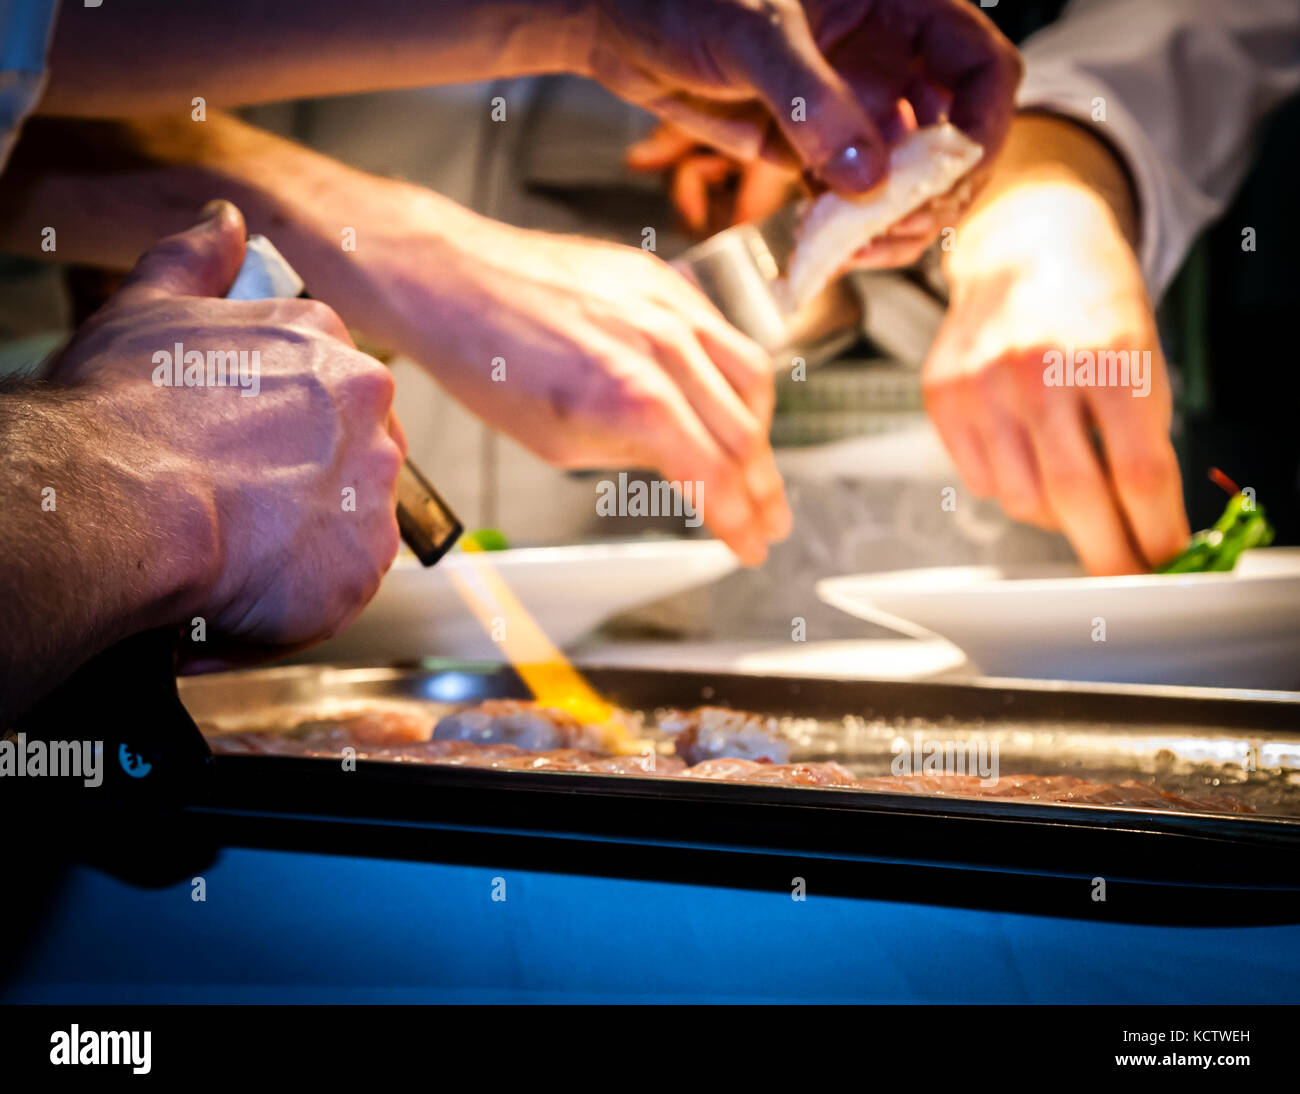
(741, 270)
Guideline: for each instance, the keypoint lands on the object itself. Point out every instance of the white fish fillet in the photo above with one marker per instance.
(926, 163)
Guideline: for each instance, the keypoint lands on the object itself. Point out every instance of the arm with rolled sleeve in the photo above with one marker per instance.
(1184, 85)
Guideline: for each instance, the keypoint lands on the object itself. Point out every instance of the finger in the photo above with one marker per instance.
(662, 430)
(741, 434)
(763, 190)
(919, 222)
(1015, 469)
(689, 194)
(744, 363)
(889, 252)
(906, 241)
(1144, 472)
(313, 314)
(694, 180)
(945, 404)
(660, 149)
(1011, 453)
(836, 139)
(685, 452)
(200, 261)
(962, 50)
(930, 103)
(1080, 495)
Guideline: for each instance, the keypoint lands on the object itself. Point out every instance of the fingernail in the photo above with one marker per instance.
(854, 169)
(213, 209)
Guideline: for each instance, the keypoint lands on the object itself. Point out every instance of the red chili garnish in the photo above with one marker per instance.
(1223, 482)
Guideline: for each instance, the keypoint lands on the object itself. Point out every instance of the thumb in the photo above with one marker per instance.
(200, 261)
(816, 110)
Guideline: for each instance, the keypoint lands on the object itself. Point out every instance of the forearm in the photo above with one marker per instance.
(98, 541)
(111, 189)
(137, 56)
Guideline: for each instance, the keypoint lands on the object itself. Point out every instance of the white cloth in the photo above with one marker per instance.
(25, 30)
(1185, 86)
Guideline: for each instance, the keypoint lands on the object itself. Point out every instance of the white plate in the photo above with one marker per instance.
(567, 590)
(845, 659)
(1238, 629)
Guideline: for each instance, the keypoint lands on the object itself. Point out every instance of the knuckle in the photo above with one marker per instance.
(756, 379)
(174, 251)
(314, 314)
(985, 391)
(371, 382)
(1148, 474)
(751, 439)
(1070, 477)
(1021, 505)
(390, 461)
(936, 389)
(633, 402)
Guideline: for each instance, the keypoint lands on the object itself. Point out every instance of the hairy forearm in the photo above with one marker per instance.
(109, 189)
(98, 542)
(138, 56)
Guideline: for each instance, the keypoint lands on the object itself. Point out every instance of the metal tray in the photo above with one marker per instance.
(1173, 737)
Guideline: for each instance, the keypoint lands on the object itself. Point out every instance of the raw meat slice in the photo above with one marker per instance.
(711, 733)
(924, 164)
(519, 723)
(1056, 788)
(646, 763)
(827, 773)
(568, 759)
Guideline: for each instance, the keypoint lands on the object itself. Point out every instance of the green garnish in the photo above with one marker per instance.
(486, 539)
(1242, 526)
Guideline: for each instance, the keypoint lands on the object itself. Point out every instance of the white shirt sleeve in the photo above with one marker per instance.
(1184, 86)
(25, 30)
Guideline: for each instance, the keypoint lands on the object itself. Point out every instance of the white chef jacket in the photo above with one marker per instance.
(25, 30)
(1185, 86)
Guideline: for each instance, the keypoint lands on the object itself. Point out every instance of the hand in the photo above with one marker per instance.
(277, 561)
(709, 190)
(610, 358)
(1043, 265)
(728, 71)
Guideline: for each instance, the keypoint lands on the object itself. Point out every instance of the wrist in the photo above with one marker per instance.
(1048, 150)
(367, 243)
(1055, 195)
(161, 507)
(110, 536)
